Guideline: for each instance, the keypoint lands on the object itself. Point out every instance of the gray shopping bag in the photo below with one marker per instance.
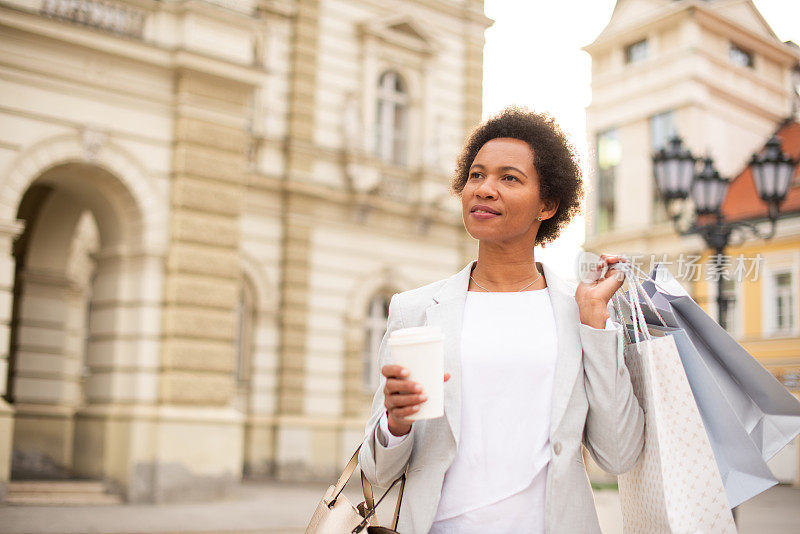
(766, 409)
(744, 472)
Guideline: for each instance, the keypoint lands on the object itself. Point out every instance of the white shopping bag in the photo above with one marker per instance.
(676, 486)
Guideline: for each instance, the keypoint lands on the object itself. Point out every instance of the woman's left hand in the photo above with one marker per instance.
(593, 297)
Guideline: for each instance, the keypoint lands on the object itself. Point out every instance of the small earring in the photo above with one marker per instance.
(539, 218)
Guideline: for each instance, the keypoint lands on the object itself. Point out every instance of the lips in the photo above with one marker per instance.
(484, 210)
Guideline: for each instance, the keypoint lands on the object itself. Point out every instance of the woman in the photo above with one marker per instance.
(533, 368)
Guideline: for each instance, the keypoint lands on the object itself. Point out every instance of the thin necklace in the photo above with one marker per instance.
(523, 289)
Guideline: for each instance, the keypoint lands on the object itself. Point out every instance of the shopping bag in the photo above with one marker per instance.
(744, 472)
(675, 486)
(742, 467)
(765, 408)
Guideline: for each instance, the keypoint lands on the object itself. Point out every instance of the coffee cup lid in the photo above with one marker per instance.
(416, 334)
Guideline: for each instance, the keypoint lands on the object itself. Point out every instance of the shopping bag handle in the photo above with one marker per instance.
(635, 291)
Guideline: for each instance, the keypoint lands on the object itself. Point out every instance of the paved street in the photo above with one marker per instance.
(275, 507)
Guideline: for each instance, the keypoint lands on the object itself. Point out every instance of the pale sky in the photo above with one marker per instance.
(533, 57)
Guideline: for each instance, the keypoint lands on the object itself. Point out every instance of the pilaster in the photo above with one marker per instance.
(294, 317)
(203, 272)
(296, 233)
(9, 230)
(473, 63)
(302, 88)
(197, 385)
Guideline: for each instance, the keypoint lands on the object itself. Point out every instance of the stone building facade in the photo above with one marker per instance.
(204, 208)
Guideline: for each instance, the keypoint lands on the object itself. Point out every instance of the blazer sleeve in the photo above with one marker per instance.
(614, 431)
(380, 464)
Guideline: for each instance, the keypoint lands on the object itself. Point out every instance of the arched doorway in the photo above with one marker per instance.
(83, 336)
(54, 268)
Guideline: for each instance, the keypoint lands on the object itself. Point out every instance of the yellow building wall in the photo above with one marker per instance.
(783, 350)
(778, 354)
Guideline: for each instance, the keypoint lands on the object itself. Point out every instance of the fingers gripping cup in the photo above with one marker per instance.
(421, 351)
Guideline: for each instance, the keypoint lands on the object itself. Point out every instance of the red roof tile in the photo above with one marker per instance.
(742, 201)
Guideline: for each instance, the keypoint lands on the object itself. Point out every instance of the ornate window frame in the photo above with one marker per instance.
(402, 45)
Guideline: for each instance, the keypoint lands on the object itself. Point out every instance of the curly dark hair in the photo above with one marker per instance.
(554, 157)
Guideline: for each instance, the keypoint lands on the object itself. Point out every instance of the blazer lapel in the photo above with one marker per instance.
(447, 312)
(568, 362)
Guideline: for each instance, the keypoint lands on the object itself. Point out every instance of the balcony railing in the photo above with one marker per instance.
(115, 17)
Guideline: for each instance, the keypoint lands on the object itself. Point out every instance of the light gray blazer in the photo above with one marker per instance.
(593, 403)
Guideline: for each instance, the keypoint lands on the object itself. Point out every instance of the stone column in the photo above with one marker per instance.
(293, 437)
(9, 230)
(114, 429)
(201, 292)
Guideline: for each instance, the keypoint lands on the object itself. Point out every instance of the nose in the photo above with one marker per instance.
(487, 189)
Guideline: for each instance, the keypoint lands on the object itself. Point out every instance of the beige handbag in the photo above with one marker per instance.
(335, 514)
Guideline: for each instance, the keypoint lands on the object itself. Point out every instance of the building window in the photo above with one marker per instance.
(783, 302)
(662, 129)
(780, 298)
(609, 154)
(392, 119)
(740, 56)
(377, 315)
(636, 52)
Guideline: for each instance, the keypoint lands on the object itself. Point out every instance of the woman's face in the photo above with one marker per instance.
(500, 201)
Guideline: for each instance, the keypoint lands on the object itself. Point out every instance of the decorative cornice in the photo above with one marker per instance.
(706, 15)
(144, 52)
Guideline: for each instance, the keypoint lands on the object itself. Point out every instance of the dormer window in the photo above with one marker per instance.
(740, 56)
(636, 52)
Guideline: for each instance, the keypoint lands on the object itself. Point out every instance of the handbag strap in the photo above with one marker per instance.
(371, 509)
(367, 488)
(369, 499)
(344, 477)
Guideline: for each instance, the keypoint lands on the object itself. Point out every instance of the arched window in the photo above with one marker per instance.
(377, 314)
(392, 118)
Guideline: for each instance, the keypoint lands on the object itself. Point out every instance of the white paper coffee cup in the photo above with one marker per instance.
(421, 351)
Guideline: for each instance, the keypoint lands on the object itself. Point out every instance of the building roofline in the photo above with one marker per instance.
(659, 15)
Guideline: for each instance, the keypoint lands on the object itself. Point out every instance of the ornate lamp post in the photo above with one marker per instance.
(676, 179)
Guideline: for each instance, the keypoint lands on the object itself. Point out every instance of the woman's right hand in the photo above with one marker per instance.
(402, 398)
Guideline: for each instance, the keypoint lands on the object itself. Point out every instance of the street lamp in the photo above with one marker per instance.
(676, 179)
(772, 173)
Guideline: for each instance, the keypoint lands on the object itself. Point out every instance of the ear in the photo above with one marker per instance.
(549, 209)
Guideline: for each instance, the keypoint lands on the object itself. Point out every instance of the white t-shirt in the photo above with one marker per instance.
(498, 478)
